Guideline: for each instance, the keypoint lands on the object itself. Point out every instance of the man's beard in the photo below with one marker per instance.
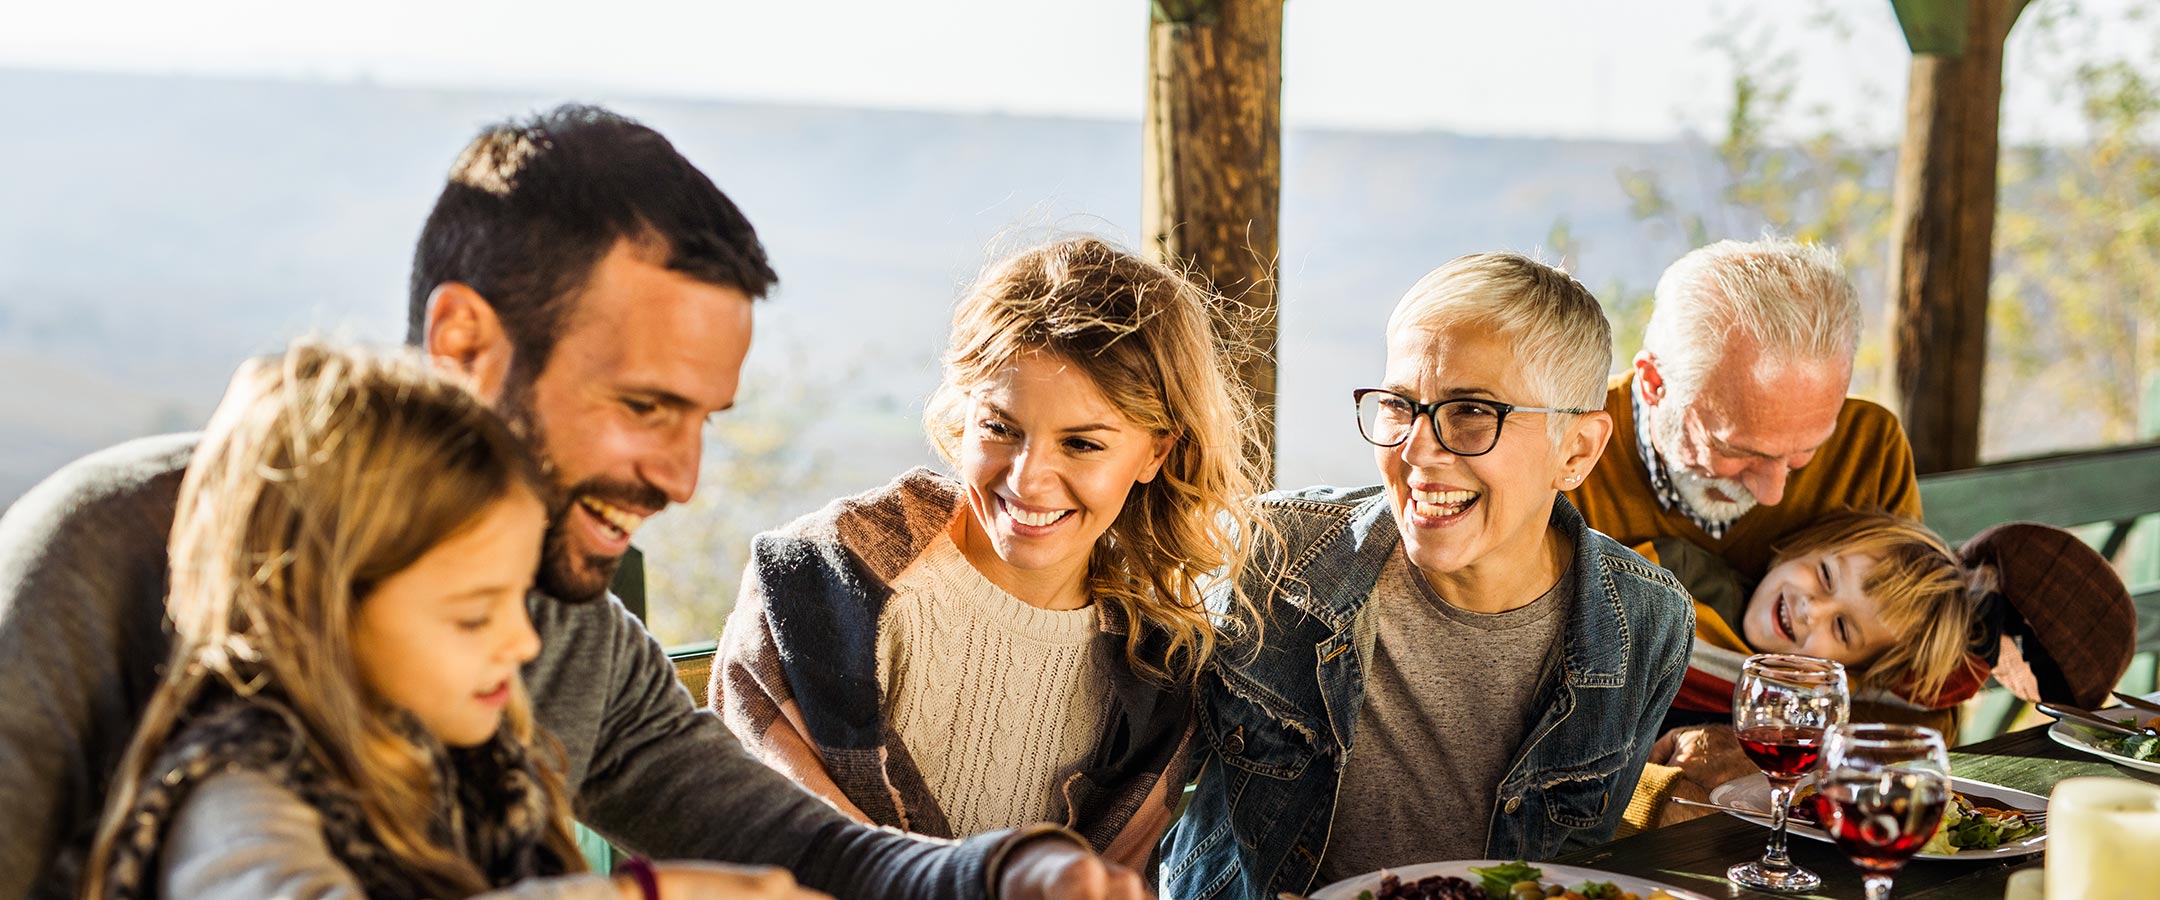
(1694, 488)
(565, 574)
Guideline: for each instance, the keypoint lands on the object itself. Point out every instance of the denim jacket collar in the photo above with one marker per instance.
(1596, 646)
(1278, 718)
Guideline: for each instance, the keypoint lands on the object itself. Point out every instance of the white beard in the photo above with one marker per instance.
(1695, 489)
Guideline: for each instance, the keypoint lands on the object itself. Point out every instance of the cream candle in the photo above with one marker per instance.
(2103, 838)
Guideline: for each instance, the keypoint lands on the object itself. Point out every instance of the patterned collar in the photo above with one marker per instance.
(1668, 495)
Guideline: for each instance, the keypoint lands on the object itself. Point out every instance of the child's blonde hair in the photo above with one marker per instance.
(1142, 333)
(1919, 589)
(323, 472)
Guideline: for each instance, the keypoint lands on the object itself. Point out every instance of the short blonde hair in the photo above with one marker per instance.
(1559, 332)
(1791, 297)
(1919, 589)
(1144, 336)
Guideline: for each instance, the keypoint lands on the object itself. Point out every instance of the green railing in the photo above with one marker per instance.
(2110, 498)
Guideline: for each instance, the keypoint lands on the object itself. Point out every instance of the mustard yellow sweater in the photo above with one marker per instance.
(1867, 464)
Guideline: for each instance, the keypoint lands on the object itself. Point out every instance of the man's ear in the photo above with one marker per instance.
(1648, 380)
(1581, 446)
(464, 335)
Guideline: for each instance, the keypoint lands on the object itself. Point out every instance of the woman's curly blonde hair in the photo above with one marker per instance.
(1145, 336)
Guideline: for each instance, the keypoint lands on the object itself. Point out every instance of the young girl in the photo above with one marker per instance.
(949, 655)
(1879, 593)
(342, 715)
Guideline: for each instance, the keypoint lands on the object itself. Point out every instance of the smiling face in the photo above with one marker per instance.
(1047, 463)
(618, 414)
(1478, 526)
(443, 638)
(1735, 441)
(1813, 605)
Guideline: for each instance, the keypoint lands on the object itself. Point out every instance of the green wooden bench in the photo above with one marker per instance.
(2100, 494)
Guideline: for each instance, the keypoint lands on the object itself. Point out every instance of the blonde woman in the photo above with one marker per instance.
(1017, 641)
(342, 715)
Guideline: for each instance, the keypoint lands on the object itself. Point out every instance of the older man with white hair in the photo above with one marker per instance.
(1733, 428)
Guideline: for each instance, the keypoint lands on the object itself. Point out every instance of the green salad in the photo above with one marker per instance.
(2140, 747)
(1966, 826)
(1496, 880)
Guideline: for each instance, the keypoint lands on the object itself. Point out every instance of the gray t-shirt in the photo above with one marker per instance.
(82, 581)
(1449, 696)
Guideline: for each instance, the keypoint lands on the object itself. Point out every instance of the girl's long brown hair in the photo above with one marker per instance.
(1144, 335)
(321, 473)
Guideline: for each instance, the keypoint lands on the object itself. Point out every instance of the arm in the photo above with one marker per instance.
(82, 584)
(666, 778)
(241, 836)
(661, 776)
(750, 692)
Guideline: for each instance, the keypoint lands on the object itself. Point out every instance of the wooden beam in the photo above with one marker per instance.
(1942, 238)
(1213, 169)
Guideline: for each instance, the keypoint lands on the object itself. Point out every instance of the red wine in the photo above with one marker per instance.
(1782, 751)
(1880, 821)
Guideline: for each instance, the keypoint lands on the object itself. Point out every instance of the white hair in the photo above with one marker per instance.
(1561, 338)
(1791, 297)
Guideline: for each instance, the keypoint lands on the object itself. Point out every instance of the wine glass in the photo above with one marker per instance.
(1884, 788)
(1781, 706)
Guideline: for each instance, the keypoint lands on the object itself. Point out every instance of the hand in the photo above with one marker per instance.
(1051, 868)
(1708, 755)
(1675, 813)
(719, 881)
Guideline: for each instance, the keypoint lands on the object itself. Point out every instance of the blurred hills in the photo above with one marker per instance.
(155, 231)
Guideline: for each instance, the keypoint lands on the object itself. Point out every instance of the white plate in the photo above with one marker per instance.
(1348, 888)
(1753, 792)
(2080, 737)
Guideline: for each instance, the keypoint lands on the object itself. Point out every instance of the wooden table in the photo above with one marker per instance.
(1695, 854)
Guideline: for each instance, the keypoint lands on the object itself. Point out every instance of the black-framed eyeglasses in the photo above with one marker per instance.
(1465, 426)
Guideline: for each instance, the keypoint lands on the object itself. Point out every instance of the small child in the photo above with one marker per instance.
(1879, 593)
(1919, 629)
(342, 714)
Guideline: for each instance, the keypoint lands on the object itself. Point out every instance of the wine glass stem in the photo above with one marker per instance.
(1774, 857)
(1878, 886)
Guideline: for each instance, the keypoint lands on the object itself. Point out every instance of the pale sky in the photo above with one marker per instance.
(1575, 68)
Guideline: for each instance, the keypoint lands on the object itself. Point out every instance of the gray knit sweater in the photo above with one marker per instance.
(82, 636)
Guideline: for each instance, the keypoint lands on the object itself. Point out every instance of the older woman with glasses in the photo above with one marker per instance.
(1450, 664)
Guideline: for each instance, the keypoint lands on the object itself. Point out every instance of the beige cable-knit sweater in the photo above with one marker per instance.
(993, 696)
(810, 666)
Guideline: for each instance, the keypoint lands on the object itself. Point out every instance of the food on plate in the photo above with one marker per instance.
(1434, 887)
(1498, 880)
(1966, 825)
(1517, 880)
(2140, 747)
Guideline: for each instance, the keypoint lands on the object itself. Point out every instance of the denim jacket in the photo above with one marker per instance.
(1276, 720)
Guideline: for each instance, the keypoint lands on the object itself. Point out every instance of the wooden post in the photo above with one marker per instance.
(1213, 169)
(1943, 227)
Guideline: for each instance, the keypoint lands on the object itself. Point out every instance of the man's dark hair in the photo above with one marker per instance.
(532, 206)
